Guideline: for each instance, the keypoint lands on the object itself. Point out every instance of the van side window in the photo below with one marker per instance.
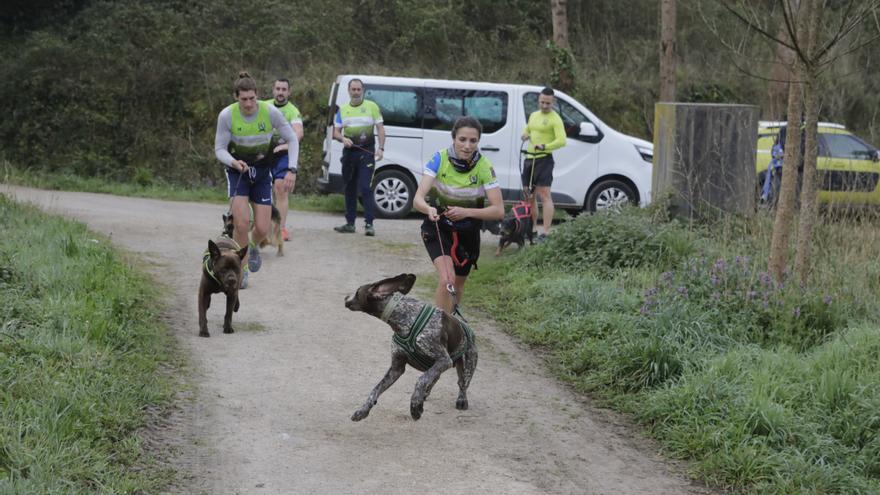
(399, 104)
(571, 116)
(442, 107)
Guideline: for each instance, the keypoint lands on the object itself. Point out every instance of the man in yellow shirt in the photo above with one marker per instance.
(546, 133)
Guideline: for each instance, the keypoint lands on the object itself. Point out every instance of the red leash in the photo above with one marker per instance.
(450, 287)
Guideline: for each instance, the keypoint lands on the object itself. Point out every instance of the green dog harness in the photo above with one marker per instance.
(408, 343)
(208, 263)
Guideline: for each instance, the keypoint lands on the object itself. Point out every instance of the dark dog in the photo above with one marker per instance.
(516, 227)
(221, 272)
(493, 226)
(426, 338)
(274, 238)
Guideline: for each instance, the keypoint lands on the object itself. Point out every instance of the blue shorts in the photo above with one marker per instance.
(280, 169)
(257, 185)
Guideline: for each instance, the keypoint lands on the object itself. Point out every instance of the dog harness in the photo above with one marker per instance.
(408, 343)
(208, 262)
(521, 210)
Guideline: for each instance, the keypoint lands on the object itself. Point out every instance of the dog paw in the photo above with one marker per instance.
(415, 410)
(461, 404)
(204, 333)
(228, 330)
(360, 414)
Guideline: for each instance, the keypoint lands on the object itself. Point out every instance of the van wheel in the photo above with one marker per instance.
(393, 191)
(610, 195)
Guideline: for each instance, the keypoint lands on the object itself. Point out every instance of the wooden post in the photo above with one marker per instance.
(704, 158)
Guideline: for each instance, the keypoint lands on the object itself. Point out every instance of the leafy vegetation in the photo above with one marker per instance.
(80, 359)
(129, 91)
(768, 388)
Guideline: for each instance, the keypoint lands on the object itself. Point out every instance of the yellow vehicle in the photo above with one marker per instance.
(849, 168)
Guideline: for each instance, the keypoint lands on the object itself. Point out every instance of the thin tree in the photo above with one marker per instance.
(562, 57)
(559, 13)
(667, 50)
(816, 46)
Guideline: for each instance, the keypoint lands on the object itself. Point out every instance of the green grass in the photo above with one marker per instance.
(333, 203)
(767, 388)
(80, 359)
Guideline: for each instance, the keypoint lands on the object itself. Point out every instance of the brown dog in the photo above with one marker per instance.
(274, 238)
(425, 337)
(221, 272)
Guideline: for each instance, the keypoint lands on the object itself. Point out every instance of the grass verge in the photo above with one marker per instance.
(333, 203)
(80, 353)
(768, 388)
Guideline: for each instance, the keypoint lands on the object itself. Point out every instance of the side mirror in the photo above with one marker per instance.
(588, 129)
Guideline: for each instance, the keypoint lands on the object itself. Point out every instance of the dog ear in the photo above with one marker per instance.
(401, 283)
(242, 252)
(213, 249)
(407, 282)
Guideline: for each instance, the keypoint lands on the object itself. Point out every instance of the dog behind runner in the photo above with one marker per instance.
(425, 337)
(516, 227)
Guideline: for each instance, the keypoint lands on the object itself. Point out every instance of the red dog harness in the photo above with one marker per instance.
(521, 210)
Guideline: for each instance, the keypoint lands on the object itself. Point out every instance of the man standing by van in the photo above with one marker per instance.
(546, 133)
(284, 179)
(353, 127)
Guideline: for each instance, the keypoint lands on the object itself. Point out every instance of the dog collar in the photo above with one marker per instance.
(389, 308)
(208, 263)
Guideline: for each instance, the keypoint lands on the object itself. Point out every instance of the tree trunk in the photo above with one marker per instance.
(559, 13)
(788, 192)
(785, 205)
(781, 75)
(667, 50)
(809, 209)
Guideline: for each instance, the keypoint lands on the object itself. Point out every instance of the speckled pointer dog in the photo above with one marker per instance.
(426, 338)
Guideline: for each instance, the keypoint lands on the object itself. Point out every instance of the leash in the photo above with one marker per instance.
(373, 153)
(450, 287)
(524, 151)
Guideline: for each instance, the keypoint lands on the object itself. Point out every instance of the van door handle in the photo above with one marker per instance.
(490, 148)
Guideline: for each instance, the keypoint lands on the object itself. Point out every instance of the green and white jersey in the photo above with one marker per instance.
(357, 122)
(291, 114)
(251, 138)
(454, 188)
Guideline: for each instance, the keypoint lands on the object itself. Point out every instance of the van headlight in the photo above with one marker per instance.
(646, 153)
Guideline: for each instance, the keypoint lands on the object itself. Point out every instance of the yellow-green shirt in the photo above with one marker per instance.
(547, 129)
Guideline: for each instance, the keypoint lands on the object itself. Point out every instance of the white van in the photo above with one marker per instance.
(598, 167)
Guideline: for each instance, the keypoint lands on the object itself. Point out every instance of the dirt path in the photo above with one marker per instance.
(271, 403)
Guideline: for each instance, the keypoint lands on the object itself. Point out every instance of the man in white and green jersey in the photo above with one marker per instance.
(545, 133)
(284, 180)
(353, 127)
(243, 144)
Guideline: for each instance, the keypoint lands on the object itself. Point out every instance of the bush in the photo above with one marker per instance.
(733, 298)
(609, 241)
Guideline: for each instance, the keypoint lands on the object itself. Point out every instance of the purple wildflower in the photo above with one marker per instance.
(683, 291)
(715, 280)
(645, 309)
(797, 312)
(720, 265)
(651, 292)
(765, 278)
(827, 299)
